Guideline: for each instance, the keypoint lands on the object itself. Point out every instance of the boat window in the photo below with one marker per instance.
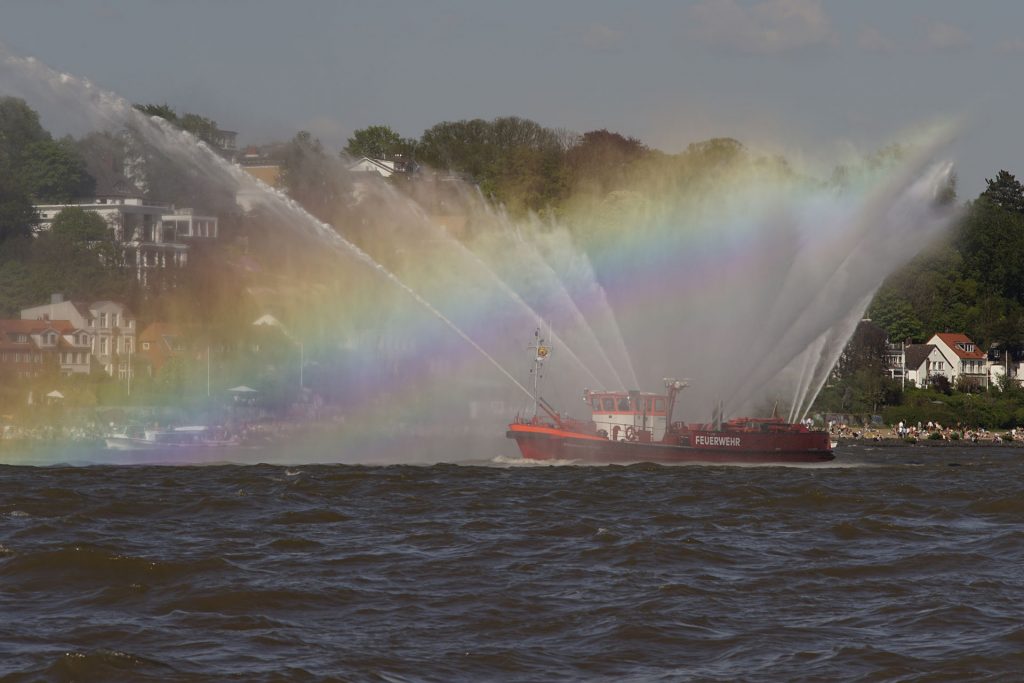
(624, 404)
(650, 404)
(659, 404)
(596, 403)
(609, 403)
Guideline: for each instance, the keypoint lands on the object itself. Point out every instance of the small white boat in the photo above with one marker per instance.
(193, 436)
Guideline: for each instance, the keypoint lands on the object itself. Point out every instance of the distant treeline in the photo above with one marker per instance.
(973, 282)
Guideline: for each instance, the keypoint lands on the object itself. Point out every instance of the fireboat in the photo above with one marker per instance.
(635, 426)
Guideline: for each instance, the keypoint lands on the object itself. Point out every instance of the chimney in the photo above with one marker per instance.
(56, 298)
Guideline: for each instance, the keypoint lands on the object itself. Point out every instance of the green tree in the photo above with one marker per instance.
(601, 160)
(992, 241)
(203, 128)
(164, 111)
(864, 352)
(896, 316)
(33, 165)
(1005, 191)
(17, 215)
(78, 225)
(55, 172)
(515, 161)
(311, 177)
(19, 128)
(379, 142)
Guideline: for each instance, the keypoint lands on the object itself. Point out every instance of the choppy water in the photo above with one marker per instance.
(889, 565)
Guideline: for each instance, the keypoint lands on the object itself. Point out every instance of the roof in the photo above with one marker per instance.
(951, 339)
(36, 326)
(917, 354)
(159, 330)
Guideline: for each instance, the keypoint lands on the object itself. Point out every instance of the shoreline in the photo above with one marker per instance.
(927, 443)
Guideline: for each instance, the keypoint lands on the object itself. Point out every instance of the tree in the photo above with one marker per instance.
(600, 160)
(992, 241)
(864, 352)
(203, 128)
(164, 111)
(17, 215)
(311, 177)
(896, 316)
(1005, 191)
(515, 161)
(78, 225)
(55, 172)
(379, 142)
(19, 128)
(33, 165)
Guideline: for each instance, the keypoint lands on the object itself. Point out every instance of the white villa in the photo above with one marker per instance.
(953, 356)
(156, 235)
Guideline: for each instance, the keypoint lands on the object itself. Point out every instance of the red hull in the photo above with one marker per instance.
(548, 442)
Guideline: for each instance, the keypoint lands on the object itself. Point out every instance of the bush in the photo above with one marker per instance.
(954, 436)
(935, 436)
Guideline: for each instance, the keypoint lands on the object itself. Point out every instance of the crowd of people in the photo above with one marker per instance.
(927, 431)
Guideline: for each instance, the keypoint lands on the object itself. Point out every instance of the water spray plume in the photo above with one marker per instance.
(716, 263)
(186, 149)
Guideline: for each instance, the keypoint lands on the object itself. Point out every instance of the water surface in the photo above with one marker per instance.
(902, 564)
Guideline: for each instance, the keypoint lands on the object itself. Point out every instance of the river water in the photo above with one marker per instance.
(886, 565)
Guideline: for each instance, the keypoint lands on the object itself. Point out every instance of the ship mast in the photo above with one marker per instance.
(541, 352)
(674, 386)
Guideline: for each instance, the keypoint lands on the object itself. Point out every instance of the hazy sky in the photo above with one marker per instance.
(812, 79)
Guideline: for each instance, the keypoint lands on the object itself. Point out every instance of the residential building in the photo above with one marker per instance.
(154, 235)
(967, 363)
(27, 347)
(383, 167)
(158, 343)
(110, 326)
(259, 164)
(922, 362)
(183, 225)
(1003, 362)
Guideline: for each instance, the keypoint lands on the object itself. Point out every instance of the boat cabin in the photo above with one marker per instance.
(628, 415)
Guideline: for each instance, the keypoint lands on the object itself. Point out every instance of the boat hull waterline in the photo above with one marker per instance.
(542, 442)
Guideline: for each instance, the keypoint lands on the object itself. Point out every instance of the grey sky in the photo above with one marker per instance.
(811, 79)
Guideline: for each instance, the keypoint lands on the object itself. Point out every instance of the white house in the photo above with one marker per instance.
(1004, 362)
(382, 167)
(924, 361)
(186, 224)
(155, 235)
(966, 361)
